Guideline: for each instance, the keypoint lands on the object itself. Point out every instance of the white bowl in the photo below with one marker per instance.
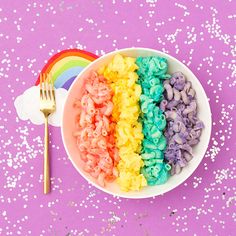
(204, 113)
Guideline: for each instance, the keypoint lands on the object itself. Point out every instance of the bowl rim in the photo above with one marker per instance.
(63, 112)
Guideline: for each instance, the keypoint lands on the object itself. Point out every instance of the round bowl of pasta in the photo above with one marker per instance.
(136, 123)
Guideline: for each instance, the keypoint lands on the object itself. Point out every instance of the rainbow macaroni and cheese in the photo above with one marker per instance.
(129, 128)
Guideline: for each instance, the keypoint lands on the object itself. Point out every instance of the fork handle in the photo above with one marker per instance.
(46, 175)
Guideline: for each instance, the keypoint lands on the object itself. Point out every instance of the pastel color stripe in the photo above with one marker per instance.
(151, 78)
(68, 83)
(62, 78)
(66, 65)
(120, 74)
(65, 60)
(138, 123)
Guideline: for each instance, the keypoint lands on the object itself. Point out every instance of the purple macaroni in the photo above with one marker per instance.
(183, 127)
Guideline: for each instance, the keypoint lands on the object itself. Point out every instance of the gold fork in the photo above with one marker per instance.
(47, 106)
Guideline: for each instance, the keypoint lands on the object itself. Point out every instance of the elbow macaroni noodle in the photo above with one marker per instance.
(121, 76)
(95, 134)
(152, 70)
(127, 128)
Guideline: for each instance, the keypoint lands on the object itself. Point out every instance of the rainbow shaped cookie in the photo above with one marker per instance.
(66, 65)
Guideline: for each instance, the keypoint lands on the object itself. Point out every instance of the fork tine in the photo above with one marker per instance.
(53, 90)
(50, 85)
(44, 86)
(40, 76)
(40, 87)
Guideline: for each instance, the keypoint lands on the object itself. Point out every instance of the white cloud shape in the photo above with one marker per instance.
(27, 106)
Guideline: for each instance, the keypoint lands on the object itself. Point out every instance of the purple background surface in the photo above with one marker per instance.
(199, 33)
